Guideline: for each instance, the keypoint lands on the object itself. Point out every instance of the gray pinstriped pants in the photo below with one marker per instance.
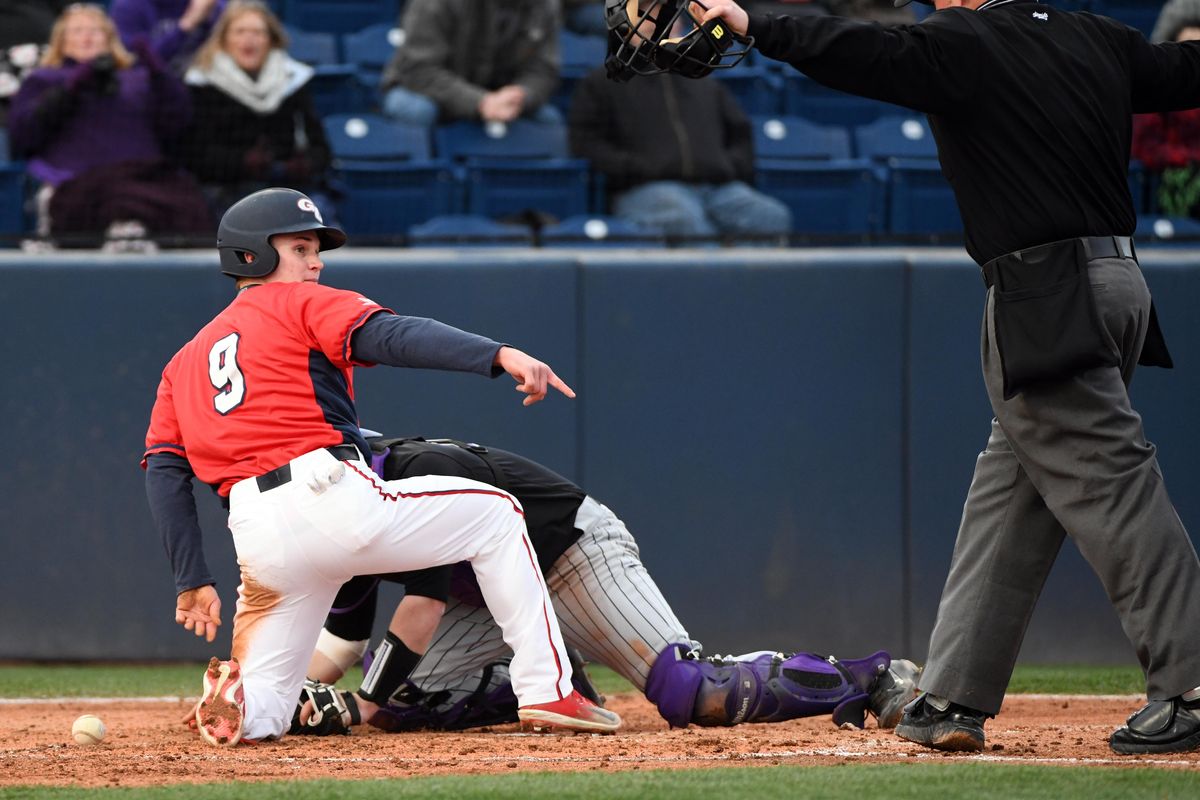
(607, 606)
(1068, 459)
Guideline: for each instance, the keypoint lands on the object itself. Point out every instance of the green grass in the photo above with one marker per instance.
(853, 782)
(157, 680)
(150, 680)
(1077, 679)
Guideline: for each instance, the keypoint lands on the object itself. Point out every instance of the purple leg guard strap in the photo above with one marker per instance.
(761, 687)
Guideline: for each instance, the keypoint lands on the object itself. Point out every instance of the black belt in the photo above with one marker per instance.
(1094, 246)
(281, 475)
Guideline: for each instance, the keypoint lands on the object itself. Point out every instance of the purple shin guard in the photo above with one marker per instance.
(808, 685)
(761, 687)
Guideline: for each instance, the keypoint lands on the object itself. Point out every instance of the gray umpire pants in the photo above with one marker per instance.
(1068, 459)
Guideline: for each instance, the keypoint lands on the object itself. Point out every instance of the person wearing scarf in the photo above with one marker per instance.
(97, 124)
(255, 124)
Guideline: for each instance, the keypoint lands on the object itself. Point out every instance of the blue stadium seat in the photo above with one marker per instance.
(388, 198)
(338, 16)
(391, 183)
(12, 202)
(1154, 230)
(580, 54)
(837, 197)
(804, 97)
(370, 50)
(501, 187)
(336, 89)
(895, 137)
(797, 138)
(520, 138)
(599, 231)
(375, 137)
(313, 47)
(468, 230)
(920, 200)
(756, 88)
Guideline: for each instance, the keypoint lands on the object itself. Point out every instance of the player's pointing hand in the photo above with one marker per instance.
(733, 14)
(532, 376)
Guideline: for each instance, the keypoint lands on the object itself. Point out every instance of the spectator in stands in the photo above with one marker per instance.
(1174, 17)
(677, 155)
(488, 60)
(255, 125)
(1168, 144)
(175, 29)
(24, 31)
(95, 123)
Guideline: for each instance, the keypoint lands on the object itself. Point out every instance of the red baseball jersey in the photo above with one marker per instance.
(270, 378)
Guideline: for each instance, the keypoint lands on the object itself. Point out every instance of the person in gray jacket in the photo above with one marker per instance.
(485, 60)
(1175, 14)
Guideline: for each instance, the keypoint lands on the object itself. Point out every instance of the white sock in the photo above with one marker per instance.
(940, 703)
(1190, 696)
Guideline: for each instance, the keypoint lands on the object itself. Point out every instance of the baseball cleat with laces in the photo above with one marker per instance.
(222, 709)
(573, 713)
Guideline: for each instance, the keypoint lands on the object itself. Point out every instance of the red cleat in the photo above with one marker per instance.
(222, 709)
(574, 713)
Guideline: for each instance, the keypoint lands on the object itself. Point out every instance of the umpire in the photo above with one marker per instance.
(1030, 107)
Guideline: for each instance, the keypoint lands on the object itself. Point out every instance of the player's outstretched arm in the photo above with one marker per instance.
(199, 610)
(733, 14)
(533, 377)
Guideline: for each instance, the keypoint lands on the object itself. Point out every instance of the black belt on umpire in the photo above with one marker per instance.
(1094, 246)
(281, 475)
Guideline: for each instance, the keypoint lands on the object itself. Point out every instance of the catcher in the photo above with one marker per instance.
(443, 663)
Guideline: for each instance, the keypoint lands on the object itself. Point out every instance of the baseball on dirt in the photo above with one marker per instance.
(88, 729)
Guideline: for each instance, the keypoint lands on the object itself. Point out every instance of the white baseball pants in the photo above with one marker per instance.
(297, 544)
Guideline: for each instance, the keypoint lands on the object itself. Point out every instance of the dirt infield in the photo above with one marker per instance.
(146, 746)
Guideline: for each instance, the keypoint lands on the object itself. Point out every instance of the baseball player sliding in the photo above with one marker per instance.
(260, 405)
(449, 670)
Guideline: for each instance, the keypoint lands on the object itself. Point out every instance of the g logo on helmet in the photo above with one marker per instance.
(304, 204)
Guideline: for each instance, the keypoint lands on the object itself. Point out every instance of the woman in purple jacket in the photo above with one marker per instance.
(96, 124)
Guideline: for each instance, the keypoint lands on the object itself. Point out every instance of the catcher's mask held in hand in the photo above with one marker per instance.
(646, 37)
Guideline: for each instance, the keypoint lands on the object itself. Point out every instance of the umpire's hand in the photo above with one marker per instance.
(532, 376)
(199, 610)
(734, 15)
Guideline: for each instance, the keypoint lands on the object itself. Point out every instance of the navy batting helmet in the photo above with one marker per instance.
(249, 224)
(646, 37)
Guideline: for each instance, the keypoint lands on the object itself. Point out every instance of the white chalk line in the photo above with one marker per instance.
(47, 701)
(65, 753)
(37, 701)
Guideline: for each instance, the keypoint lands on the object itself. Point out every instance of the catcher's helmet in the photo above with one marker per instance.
(249, 224)
(640, 40)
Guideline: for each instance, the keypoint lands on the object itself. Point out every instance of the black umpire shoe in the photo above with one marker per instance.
(957, 728)
(1163, 726)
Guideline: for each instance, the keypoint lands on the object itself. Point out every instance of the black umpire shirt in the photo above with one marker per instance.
(1030, 106)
